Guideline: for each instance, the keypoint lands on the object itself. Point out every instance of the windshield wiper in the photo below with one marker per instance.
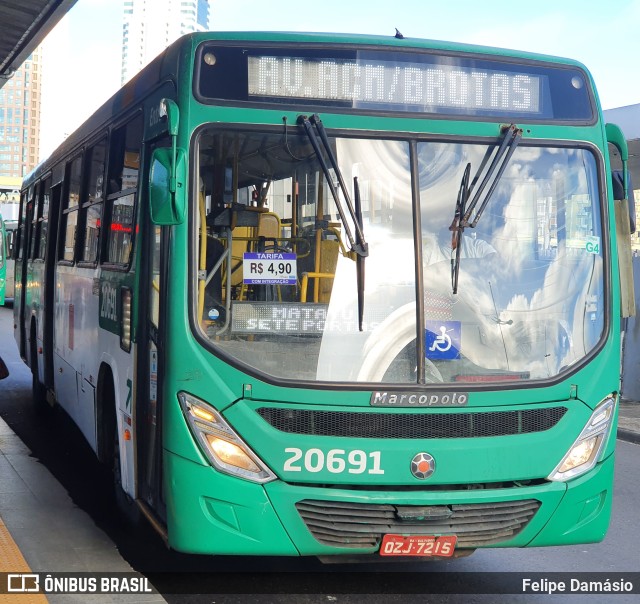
(358, 245)
(512, 136)
(359, 258)
(457, 229)
(462, 215)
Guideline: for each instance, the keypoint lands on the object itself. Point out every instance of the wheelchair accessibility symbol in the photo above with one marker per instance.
(443, 339)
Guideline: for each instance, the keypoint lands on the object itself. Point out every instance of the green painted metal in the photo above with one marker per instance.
(570, 513)
(214, 513)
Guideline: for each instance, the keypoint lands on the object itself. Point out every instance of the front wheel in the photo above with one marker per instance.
(38, 389)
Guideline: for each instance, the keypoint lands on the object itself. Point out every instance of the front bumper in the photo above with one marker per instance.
(211, 513)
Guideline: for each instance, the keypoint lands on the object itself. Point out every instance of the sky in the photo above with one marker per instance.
(82, 55)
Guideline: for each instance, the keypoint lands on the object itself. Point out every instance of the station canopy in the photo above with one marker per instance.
(23, 26)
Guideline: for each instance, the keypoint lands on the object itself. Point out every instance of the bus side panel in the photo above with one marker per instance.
(30, 304)
(123, 368)
(76, 346)
(3, 261)
(34, 312)
(10, 227)
(17, 305)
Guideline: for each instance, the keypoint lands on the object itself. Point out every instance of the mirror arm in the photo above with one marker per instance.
(174, 157)
(172, 113)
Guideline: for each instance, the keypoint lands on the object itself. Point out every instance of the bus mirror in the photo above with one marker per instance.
(624, 222)
(167, 206)
(615, 136)
(621, 193)
(618, 187)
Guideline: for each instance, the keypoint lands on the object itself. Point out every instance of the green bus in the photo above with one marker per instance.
(329, 295)
(3, 261)
(9, 227)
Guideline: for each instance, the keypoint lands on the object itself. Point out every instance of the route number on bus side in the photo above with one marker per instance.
(109, 306)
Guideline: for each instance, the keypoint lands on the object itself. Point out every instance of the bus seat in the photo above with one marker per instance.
(269, 226)
(328, 263)
(322, 279)
(239, 245)
(213, 290)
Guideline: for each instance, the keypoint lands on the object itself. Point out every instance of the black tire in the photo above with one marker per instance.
(39, 391)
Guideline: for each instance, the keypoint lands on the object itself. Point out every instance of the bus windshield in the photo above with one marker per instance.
(274, 280)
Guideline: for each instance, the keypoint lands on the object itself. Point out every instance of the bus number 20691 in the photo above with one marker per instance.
(335, 461)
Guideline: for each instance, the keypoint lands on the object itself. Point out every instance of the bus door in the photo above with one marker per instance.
(22, 257)
(49, 253)
(3, 261)
(151, 358)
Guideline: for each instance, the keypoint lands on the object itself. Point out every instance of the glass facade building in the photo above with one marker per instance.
(20, 118)
(151, 25)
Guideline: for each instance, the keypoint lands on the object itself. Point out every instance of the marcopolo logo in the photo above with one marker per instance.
(418, 399)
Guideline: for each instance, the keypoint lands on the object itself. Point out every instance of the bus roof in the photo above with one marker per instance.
(167, 64)
(377, 40)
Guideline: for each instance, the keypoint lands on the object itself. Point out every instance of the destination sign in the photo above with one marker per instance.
(298, 318)
(428, 87)
(291, 318)
(373, 79)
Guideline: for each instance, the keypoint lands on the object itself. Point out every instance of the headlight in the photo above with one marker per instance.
(586, 450)
(226, 451)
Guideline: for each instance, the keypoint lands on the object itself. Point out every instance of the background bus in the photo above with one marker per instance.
(9, 231)
(3, 261)
(328, 295)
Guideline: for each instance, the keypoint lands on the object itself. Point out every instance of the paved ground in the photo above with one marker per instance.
(43, 530)
(51, 533)
(629, 421)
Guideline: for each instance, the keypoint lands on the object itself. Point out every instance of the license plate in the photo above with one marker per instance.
(418, 545)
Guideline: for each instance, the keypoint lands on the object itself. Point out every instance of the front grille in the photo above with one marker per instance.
(360, 525)
(467, 424)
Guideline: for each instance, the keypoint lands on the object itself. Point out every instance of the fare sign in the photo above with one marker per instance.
(259, 268)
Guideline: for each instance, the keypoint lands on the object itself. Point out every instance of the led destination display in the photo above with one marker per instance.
(429, 87)
(283, 317)
(296, 318)
(369, 79)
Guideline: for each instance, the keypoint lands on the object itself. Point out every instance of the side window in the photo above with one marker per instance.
(35, 220)
(71, 204)
(11, 239)
(93, 201)
(124, 164)
(43, 221)
(21, 233)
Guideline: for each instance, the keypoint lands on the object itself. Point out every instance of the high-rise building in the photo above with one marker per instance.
(20, 119)
(152, 25)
